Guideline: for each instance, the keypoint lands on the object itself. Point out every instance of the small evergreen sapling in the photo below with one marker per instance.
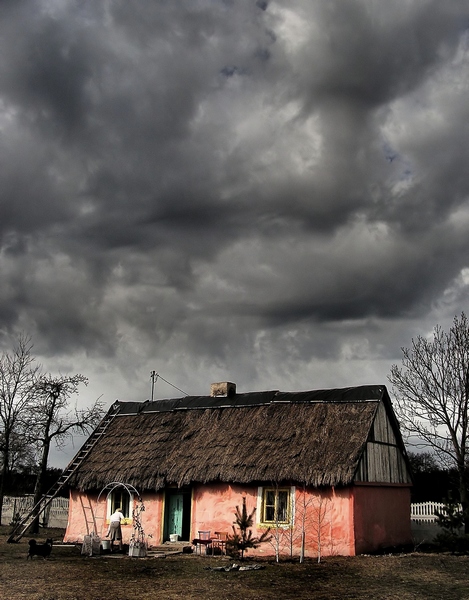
(451, 516)
(242, 539)
(451, 519)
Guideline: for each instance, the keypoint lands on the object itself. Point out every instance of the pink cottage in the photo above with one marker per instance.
(326, 470)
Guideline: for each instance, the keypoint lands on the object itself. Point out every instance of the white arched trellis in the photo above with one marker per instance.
(110, 487)
(138, 544)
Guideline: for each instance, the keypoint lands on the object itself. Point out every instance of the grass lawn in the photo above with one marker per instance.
(67, 575)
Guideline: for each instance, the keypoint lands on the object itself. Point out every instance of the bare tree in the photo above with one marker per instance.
(54, 420)
(432, 393)
(321, 524)
(18, 375)
(313, 521)
(299, 523)
(21, 453)
(304, 504)
(281, 530)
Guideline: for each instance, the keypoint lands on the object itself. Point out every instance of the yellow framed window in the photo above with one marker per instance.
(276, 506)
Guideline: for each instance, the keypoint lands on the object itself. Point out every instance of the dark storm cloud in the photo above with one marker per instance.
(371, 52)
(224, 186)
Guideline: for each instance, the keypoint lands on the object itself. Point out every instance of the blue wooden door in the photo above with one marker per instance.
(175, 514)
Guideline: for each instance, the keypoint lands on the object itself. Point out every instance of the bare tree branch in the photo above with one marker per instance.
(18, 376)
(432, 393)
(53, 419)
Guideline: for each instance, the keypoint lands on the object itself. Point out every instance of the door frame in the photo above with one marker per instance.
(186, 493)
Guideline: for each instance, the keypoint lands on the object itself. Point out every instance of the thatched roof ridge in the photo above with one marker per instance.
(351, 394)
(312, 438)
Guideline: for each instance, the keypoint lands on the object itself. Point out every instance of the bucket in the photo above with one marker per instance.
(106, 544)
(173, 537)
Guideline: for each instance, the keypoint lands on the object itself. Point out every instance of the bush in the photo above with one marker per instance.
(452, 542)
(451, 517)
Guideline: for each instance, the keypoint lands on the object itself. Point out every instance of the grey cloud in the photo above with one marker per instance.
(231, 187)
(368, 53)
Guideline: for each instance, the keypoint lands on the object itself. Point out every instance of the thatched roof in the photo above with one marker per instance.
(312, 438)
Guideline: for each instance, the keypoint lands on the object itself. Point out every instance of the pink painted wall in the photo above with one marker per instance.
(213, 507)
(326, 516)
(328, 521)
(151, 518)
(342, 522)
(76, 526)
(381, 517)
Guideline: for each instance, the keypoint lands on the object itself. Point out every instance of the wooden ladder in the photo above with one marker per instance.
(90, 517)
(21, 528)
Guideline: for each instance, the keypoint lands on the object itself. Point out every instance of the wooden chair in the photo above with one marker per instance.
(203, 540)
(219, 541)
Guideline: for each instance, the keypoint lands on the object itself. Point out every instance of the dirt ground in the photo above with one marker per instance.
(67, 575)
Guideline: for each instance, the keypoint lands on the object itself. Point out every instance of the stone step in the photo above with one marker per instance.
(172, 547)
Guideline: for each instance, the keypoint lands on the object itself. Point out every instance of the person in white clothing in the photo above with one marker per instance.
(115, 530)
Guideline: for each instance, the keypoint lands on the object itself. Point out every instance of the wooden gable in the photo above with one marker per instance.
(383, 459)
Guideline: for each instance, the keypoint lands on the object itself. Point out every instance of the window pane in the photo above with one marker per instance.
(282, 507)
(269, 505)
(269, 513)
(125, 505)
(276, 506)
(120, 499)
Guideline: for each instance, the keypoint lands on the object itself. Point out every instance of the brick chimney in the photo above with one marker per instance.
(224, 388)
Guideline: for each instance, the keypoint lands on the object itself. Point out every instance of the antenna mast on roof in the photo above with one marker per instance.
(154, 377)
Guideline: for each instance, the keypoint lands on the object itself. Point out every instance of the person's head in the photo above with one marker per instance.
(118, 509)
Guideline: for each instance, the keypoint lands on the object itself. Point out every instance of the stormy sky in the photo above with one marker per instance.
(274, 193)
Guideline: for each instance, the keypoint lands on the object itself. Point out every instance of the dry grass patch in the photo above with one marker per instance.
(69, 576)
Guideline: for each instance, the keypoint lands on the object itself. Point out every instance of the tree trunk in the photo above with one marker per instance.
(38, 486)
(4, 477)
(464, 496)
(303, 544)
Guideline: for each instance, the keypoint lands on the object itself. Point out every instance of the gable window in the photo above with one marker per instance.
(276, 506)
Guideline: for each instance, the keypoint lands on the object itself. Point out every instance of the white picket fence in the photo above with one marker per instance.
(424, 521)
(15, 508)
(425, 511)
